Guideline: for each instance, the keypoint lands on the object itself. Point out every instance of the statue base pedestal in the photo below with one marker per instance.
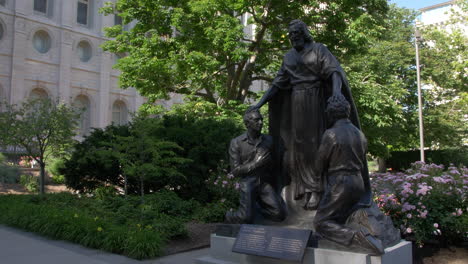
(221, 246)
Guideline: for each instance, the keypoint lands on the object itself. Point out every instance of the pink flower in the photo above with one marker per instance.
(423, 214)
(459, 212)
(409, 230)
(409, 215)
(436, 225)
(225, 182)
(438, 179)
(423, 189)
(408, 207)
(406, 189)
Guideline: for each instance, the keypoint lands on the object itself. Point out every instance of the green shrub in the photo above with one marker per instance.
(54, 168)
(115, 224)
(204, 139)
(30, 182)
(9, 174)
(92, 165)
(401, 160)
(213, 212)
(104, 193)
(2, 158)
(426, 201)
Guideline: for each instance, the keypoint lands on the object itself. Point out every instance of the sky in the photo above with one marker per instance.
(417, 4)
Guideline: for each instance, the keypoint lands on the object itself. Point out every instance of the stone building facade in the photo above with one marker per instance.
(51, 48)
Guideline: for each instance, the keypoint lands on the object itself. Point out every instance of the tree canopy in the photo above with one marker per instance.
(41, 126)
(202, 47)
(444, 56)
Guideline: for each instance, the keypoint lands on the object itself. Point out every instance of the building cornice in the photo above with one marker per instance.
(424, 9)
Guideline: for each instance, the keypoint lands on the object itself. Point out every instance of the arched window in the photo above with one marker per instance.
(82, 105)
(41, 41)
(119, 113)
(85, 51)
(38, 93)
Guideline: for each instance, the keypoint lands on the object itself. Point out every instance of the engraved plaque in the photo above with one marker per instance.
(273, 242)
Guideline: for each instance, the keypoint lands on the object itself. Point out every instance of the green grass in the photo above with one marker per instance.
(115, 224)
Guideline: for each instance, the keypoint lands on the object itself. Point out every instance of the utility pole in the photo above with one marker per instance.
(417, 38)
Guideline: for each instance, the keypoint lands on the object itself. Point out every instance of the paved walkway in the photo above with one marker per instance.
(19, 247)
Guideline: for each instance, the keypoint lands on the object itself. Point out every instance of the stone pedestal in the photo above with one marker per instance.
(221, 246)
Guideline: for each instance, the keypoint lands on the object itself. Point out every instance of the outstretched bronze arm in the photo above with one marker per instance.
(267, 96)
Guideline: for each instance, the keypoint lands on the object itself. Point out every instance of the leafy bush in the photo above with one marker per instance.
(8, 174)
(224, 186)
(213, 212)
(105, 192)
(151, 161)
(92, 165)
(30, 182)
(203, 133)
(426, 201)
(114, 223)
(400, 160)
(54, 168)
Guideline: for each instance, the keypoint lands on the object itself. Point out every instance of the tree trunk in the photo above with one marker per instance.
(42, 179)
(125, 185)
(382, 166)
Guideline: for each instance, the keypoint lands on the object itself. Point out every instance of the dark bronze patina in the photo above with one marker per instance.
(321, 173)
(250, 160)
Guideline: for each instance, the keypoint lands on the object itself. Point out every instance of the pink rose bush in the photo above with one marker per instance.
(224, 187)
(426, 201)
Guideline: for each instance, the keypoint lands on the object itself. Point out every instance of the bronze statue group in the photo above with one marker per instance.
(316, 143)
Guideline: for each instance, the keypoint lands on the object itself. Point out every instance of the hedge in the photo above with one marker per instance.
(401, 160)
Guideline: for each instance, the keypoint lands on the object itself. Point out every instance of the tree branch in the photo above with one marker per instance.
(263, 78)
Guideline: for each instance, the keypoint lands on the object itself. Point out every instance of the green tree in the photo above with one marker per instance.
(383, 82)
(146, 158)
(444, 56)
(42, 127)
(200, 48)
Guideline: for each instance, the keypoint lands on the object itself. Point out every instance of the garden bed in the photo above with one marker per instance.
(16, 188)
(114, 224)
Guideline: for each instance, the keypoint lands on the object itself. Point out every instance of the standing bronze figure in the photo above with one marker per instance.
(309, 75)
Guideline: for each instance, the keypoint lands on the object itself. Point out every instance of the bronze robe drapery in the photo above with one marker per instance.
(298, 118)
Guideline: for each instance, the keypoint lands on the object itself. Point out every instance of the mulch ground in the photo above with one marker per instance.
(6, 188)
(199, 233)
(198, 237)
